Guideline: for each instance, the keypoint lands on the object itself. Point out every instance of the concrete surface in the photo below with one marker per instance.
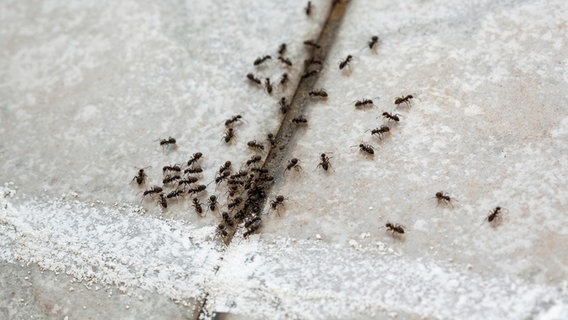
(88, 87)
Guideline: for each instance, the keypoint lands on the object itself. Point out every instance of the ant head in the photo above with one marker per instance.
(213, 197)
(439, 194)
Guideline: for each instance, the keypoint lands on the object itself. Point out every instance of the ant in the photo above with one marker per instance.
(283, 105)
(380, 131)
(193, 170)
(224, 175)
(282, 49)
(293, 163)
(194, 158)
(363, 103)
(389, 116)
(163, 202)
(199, 188)
(309, 74)
(212, 202)
(255, 225)
(243, 173)
(259, 170)
(279, 201)
(405, 100)
(188, 181)
(140, 177)
(271, 140)
(167, 142)
(318, 93)
(252, 221)
(284, 80)
(373, 42)
(285, 61)
(170, 179)
(367, 148)
(310, 43)
(495, 216)
(174, 168)
(235, 203)
(345, 63)
(300, 120)
(395, 228)
(252, 78)
(443, 199)
(221, 230)
(225, 167)
(232, 120)
(324, 164)
(253, 160)
(229, 134)
(312, 60)
(309, 9)
(227, 219)
(261, 60)
(268, 86)
(174, 194)
(197, 206)
(154, 189)
(255, 145)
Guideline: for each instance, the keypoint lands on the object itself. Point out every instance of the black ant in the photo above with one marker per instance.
(187, 181)
(224, 175)
(260, 171)
(140, 177)
(293, 163)
(255, 145)
(234, 203)
(312, 44)
(373, 42)
(170, 179)
(232, 120)
(300, 120)
(443, 199)
(363, 103)
(271, 140)
(284, 80)
(167, 142)
(309, 9)
(194, 158)
(253, 160)
(389, 116)
(405, 100)
(285, 61)
(154, 189)
(252, 221)
(324, 164)
(261, 60)
(252, 78)
(212, 202)
(163, 202)
(395, 228)
(282, 49)
(255, 225)
(367, 148)
(345, 63)
(225, 167)
(243, 173)
(174, 168)
(229, 134)
(197, 206)
(495, 216)
(198, 189)
(309, 74)
(221, 230)
(233, 182)
(318, 93)
(193, 170)
(380, 131)
(279, 201)
(227, 219)
(174, 194)
(283, 105)
(268, 86)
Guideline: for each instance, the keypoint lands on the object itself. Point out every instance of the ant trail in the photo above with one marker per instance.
(276, 159)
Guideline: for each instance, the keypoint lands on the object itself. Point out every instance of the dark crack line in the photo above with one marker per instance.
(275, 161)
